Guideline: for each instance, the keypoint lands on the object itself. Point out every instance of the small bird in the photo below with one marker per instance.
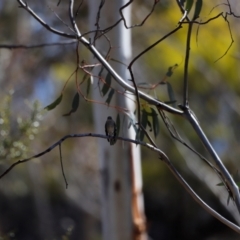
(111, 130)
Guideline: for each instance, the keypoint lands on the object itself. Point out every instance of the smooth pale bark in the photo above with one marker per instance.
(122, 201)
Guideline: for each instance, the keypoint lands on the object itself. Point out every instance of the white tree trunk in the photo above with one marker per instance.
(122, 201)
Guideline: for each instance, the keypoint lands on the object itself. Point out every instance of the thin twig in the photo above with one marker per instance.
(224, 172)
(232, 41)
(143, 21)
(40, 45)
(72, 136)
(154, 44)
(187, 55)
(51, 29)
(198, 199)
(162, 156)
(106, 65)
(60, 152)
(173, 132)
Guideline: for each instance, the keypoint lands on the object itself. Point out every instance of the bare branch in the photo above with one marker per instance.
(227, 177)
(96, 53)
(232, 41)
(173, 132)
(53, 30)
(143, 21)
(154, 44)
(162, 156)
(72, 18)
(198, 199)
(75, 136)
(40, 45)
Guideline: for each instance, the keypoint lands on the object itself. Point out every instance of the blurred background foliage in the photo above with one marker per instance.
(34, 203)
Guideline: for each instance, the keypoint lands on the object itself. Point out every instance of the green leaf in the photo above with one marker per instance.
(118, 124)
(170, 102)
(170, 92)
(144, 120)
(100, 72)
(110, 95)
(182, 2)
(155, 123)
(118, 61)
(150, 125)
(198, 8)
(107, 85)
(229, 197)
(170, 70)
(55, 103)
(75, 104)
(86, 76)
(132, 121)
(189, 5)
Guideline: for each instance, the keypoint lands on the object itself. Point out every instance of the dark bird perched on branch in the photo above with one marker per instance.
(111, 130)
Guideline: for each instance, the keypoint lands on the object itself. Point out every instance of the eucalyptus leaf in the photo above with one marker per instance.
(110, 95)
(55, 103)
(107, 85)
(75, 104)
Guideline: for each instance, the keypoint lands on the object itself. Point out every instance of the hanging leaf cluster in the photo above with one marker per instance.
(76, 98)
(149, 121)
(198, 7)
(75, 104)
(106, 87)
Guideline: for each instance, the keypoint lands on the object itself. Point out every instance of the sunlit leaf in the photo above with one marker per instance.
(189, 5)
(54, 104)
(110, 95)
(75, 104)
(107, 85)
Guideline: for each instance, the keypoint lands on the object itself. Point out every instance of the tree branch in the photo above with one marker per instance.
(101, 59)
(162, 157)
(228, 179)
(40, 45)
(53, 30)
